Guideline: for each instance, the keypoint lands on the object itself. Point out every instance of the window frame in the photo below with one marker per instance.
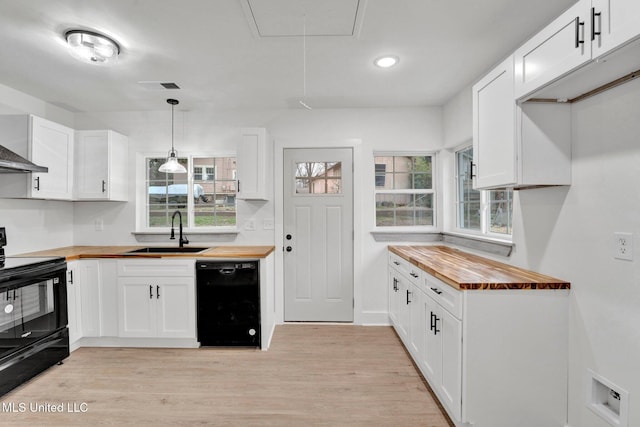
(485, 206)
(141, 204)
(433, 191)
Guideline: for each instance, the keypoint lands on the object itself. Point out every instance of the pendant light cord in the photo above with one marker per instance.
(304, 57)
(172, 149)
(303, 101)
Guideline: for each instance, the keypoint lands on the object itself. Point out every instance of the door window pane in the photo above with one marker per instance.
(318, 178)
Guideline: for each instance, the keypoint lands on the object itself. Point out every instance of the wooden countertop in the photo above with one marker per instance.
(465, 271)
(77, 252)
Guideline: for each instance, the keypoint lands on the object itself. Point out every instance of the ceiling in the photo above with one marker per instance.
(250, 54)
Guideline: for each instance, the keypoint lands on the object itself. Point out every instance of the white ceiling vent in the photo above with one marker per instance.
(284, 18)
(158, 85)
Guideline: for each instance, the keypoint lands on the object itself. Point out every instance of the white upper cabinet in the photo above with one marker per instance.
(517, 146)
(45, 143)
(559, 48)
(579, 39)
(254, 159)
(614, 23)
(494, 139)
(101, 165)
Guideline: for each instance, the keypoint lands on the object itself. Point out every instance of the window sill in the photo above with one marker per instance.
(406, 236)
(227, 235)
(481, 243)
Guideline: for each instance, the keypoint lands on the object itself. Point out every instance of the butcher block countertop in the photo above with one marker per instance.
(465, 271)
(72, 253)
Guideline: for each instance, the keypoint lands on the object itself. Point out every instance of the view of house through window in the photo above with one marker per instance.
(206, 197)
(319, 178)
(485, 211)
(404, 190)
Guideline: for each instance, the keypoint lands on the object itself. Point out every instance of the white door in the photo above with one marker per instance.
(318, 235)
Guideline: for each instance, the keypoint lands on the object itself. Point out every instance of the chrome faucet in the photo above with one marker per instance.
(182, 239)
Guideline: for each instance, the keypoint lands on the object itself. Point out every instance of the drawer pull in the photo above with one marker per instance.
(396, 262)
(595, 33)
(436, 290)
(414, 275)
(579, 27)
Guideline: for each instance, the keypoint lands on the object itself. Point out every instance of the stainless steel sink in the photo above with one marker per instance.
(168, 250)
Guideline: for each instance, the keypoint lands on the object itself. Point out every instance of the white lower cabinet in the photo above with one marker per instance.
(74, 313)
(494, 358)
(151, 305)
(442, 358)
(83, 299)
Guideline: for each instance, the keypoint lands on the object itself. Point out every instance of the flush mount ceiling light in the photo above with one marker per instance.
(386, 61)
(172, 165)
(92, 47)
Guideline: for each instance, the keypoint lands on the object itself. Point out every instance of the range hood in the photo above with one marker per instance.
(10, 162)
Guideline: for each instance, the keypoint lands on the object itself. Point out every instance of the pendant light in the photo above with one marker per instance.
(172, 165)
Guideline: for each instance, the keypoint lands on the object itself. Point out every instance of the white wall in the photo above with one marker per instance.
(567, 232)
(377, 129)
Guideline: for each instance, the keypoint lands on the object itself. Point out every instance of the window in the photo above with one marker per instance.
(319, 178)
(484, 211)
(208, 199)
(404, 191)
(201, 173)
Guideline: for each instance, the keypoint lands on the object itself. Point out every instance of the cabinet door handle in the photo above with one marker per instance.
(157, 292)
(70, 281)
(238, 186)
(395, 284)
(436, 290)
(150, 291)
(408, 293)
(578, 25)
(432, 323)
(595, 33)
(435, 325)
(473, 174)
(104, 186)
(36, 185)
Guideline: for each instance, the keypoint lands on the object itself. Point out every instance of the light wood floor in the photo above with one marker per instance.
(312, 375)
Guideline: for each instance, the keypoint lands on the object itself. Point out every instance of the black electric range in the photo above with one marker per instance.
(14, 266)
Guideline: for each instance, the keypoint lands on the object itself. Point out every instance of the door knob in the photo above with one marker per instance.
(288, 237)
(289, 249)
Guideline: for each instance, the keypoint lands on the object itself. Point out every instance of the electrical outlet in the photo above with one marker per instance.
(623, 246)
(99, 224)
(268, 224)
(250, 225)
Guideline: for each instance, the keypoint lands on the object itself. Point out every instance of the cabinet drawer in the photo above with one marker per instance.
(165, 267)
(449, 298)
(405, 267)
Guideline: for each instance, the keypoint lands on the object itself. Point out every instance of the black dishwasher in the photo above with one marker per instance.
(228, 294)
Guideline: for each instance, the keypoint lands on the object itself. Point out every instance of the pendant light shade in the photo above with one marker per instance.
(172, 165)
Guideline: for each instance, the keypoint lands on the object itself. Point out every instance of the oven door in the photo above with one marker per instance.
(32, 308)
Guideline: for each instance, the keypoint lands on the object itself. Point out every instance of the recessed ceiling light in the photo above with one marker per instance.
(386, 61)
(92, 47)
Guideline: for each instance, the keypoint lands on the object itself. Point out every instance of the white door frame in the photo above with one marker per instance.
(280, 146)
